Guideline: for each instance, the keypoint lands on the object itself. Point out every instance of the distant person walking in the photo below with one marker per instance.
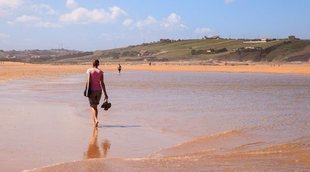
(119, 68)
(96, 87)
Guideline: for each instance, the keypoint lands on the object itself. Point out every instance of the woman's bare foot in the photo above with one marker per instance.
(96, 123)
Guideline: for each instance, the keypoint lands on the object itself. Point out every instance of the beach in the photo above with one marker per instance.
(164, 117)
(13, 70)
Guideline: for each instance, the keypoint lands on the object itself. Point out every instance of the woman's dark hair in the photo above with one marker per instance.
(96, 63)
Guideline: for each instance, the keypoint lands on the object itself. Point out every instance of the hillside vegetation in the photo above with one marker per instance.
(171, 50)
(210, 49)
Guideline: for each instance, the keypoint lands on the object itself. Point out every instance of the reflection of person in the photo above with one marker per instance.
(119, 68)
(106, 146)
(93, 150)
(96, 86)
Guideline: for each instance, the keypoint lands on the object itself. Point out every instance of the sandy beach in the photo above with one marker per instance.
(239, 118)
(14, 70)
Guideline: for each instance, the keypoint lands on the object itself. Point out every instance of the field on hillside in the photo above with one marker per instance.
(233, 50)
(207, 50)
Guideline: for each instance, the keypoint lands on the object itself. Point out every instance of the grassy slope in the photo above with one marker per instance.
(181, 50)
(286, 51)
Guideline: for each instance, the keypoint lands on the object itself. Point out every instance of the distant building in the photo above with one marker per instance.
(292, 38)
(165, 40)
(264, 39)
(215, 37)
(256, 41)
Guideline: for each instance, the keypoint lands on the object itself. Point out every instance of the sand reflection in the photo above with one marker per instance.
(93, 150)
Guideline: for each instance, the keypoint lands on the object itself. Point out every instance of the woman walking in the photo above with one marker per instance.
(96, 86)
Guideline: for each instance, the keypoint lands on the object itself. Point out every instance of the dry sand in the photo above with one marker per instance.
(14, 70)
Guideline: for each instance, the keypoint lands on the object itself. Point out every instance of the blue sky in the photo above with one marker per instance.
(102, 24)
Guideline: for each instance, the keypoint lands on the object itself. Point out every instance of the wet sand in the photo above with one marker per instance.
(292, 156)
(14, 70)
(242, 122)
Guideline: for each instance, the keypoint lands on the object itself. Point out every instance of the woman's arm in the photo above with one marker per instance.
(103, 88)
(87, 77)
(86, 80)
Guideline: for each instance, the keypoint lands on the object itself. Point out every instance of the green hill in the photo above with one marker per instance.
(215, 49)
(283, 50)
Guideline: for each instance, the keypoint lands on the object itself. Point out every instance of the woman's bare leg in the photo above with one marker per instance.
(95, 115)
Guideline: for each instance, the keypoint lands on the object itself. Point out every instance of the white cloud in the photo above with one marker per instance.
(34, 21)
(146, 22)
(8, 5)
(71, 4)
(127, 22)
(43, 9)
(42, 20)
(116, 12)
(202, 30)
(229, 1)
(173, 21)
(27, 19)
(45, 24)
(83, 15)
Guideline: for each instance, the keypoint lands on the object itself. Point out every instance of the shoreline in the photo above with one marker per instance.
(17, 70)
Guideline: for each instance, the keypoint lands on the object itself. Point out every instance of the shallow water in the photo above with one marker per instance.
(47, 121)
